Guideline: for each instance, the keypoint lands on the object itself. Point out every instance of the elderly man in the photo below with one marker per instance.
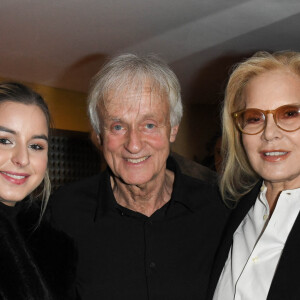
(143, 229)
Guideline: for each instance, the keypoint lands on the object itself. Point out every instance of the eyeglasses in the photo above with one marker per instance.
(253, 120)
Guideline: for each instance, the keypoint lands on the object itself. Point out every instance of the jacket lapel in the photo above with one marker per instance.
(286, 281)
(236, 217)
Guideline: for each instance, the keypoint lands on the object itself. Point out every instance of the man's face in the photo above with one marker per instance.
(136, 135)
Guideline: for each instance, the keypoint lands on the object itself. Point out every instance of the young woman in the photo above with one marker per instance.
(36, 261)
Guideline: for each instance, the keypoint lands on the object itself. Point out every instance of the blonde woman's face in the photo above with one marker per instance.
(23, 150)
(274, 154)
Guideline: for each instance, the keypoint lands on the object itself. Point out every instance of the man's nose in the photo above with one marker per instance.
(134, 141)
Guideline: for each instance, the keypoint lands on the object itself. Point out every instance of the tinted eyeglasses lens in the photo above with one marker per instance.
(288, 117)
(251, 121)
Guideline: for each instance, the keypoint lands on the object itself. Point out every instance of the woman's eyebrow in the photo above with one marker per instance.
(42, 136)
(39, 136)
(2, 128)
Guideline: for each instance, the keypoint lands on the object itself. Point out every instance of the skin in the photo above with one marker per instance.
(23, 150)
(135, 139)
(280, 172)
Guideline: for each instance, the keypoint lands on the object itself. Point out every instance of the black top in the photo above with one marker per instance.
(36, 263)
(126, 255)
(9, 211)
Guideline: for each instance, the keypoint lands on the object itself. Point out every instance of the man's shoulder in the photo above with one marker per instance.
(87, 187)
(202, 194)
(194, 169)
(75, 202)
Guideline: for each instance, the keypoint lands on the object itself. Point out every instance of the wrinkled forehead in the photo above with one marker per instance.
(142, 94)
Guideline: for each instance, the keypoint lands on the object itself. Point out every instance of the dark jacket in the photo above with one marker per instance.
(35, 263)
(285, 284)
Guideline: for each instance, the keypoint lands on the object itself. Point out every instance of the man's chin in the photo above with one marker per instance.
(136, 179)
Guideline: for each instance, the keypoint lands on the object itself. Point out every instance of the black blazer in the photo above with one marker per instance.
(286, 282)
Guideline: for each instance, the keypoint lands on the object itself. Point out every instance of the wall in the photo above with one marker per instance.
(68, 108)
(198, 126)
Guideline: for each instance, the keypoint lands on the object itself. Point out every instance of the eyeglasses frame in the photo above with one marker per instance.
(236, 114)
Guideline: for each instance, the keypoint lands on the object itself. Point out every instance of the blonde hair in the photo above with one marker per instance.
(238, 176)
(42, 192)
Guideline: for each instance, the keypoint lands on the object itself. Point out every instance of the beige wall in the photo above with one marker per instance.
(68, 110)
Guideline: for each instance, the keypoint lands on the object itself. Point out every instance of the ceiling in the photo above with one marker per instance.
(63, 43)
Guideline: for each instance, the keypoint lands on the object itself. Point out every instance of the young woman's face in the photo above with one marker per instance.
(23, 150)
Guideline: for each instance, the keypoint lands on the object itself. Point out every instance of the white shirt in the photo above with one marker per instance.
(257, 246)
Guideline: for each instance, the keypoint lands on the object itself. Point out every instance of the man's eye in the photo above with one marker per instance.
(150, 126)
(117, 127)
(36, 147)
(5, 141)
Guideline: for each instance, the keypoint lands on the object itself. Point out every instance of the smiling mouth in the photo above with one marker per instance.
(137, 160)
(275, 153)
(14, 176)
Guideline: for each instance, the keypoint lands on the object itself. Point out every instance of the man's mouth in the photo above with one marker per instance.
(137, 160)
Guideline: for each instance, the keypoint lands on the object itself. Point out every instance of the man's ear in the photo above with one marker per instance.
(173, 135)
(99, 140)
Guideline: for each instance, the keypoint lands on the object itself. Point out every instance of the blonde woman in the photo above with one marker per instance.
(259, 256)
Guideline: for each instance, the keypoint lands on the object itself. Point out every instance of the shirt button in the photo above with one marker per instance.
(152, 265)
(265, 217)
(255, 259)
